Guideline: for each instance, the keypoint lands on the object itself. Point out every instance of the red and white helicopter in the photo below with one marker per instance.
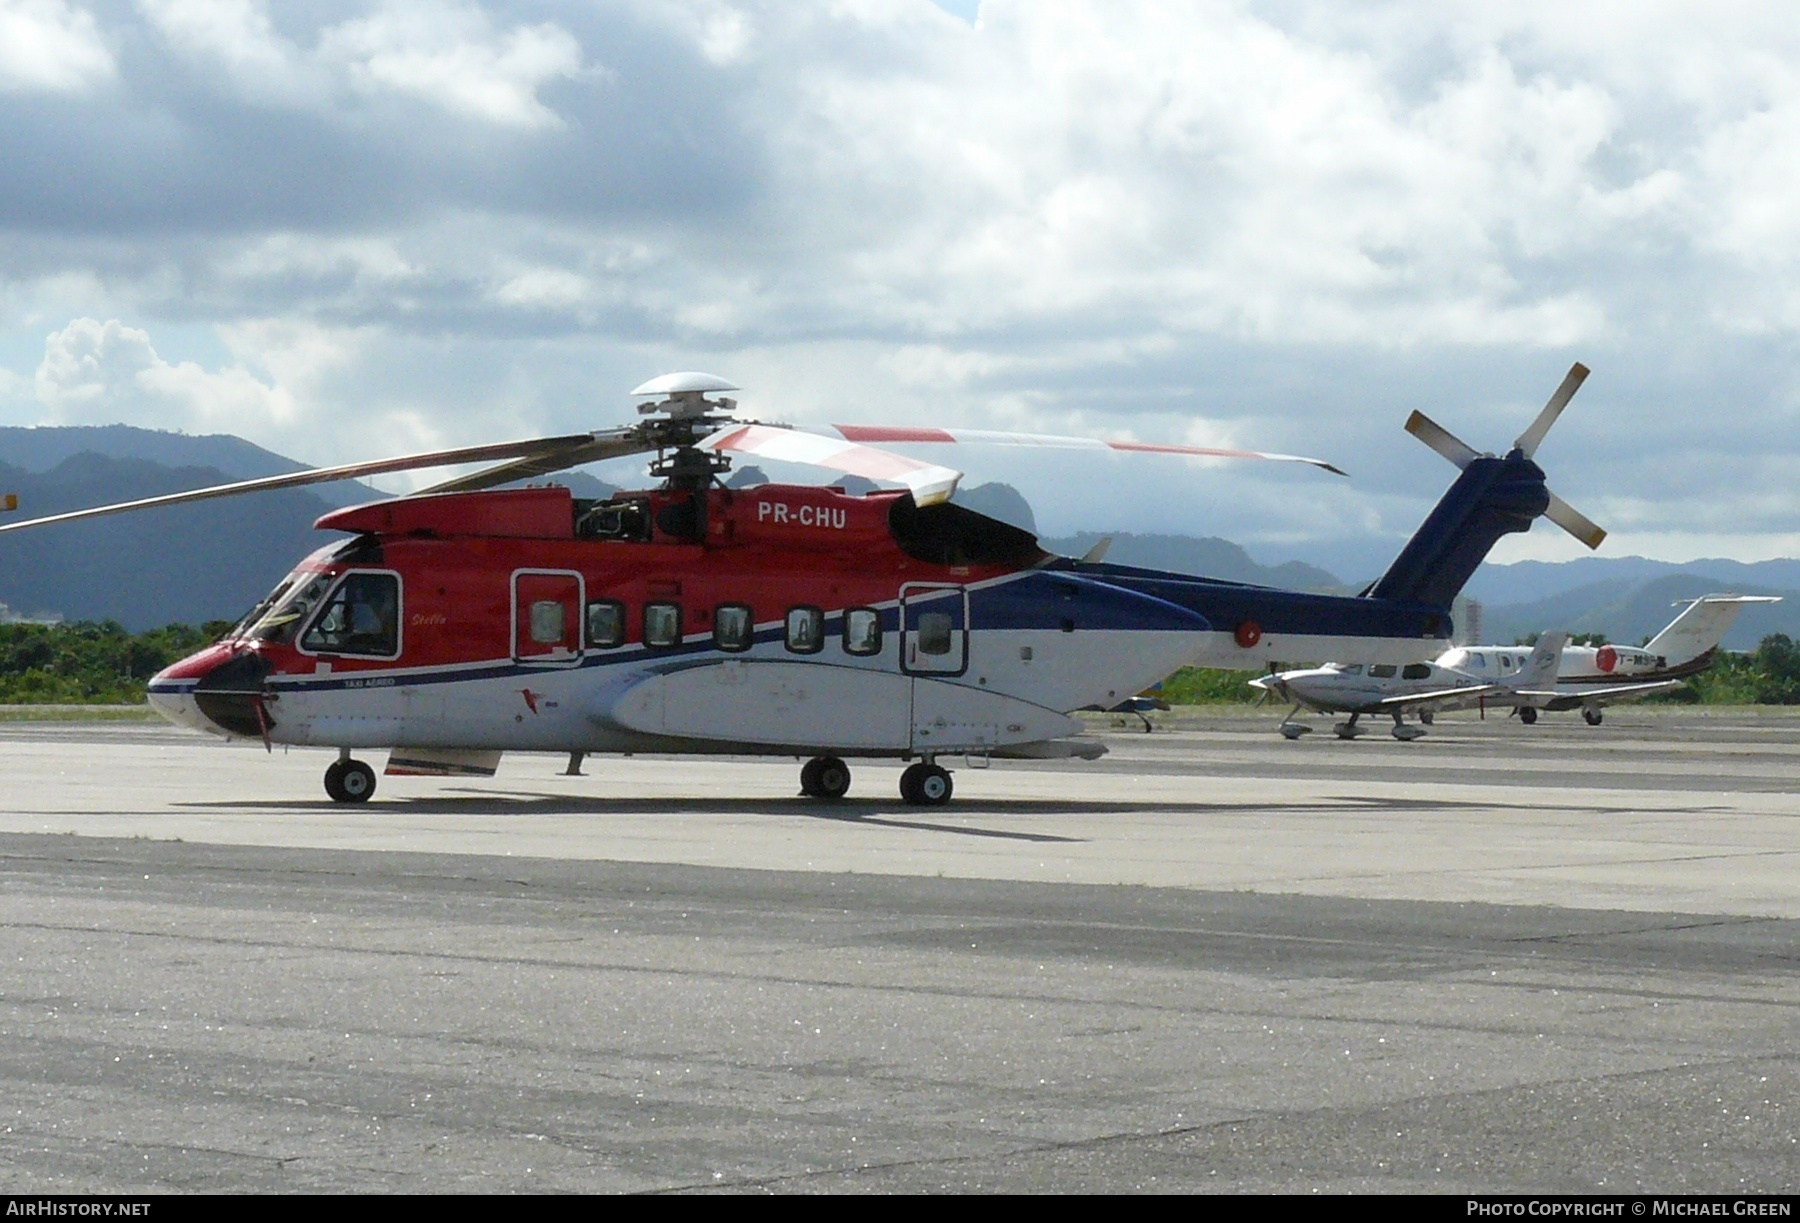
(469, 619)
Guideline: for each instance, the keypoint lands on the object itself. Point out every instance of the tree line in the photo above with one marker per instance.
(88, 663)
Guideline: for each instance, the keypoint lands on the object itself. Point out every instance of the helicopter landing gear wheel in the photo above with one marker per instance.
(825, 777)
(1527, 714)
(926, 785)
(1591, 716)
(349, 781)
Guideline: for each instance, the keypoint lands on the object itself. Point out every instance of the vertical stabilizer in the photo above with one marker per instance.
(1540, 669)
(1700, 627)
(1493, 497)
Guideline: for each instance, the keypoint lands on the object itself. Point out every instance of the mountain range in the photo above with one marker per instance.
(211, 560)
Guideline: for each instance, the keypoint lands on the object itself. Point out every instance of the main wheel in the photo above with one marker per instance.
(926, 785)
(1591, 716)
(1527, 714)
(825, 777)
(350, 781)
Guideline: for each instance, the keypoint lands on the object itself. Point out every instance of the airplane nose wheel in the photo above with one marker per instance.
(1591, 716)
(825, 777)
(926, 785)
(349, 781)
(1527, 714)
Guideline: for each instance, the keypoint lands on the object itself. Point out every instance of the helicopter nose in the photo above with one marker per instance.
(215, 690)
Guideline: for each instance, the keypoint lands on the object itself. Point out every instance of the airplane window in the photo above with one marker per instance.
(1479, 662)
(1353, 670)
(1417, 670)
(862, 631)
(734, 628)
(548, 620)
(1384, 671)
(934, 633)
(662, 624)
(361, 616)
(1506, 662)
(805, 630)
(605, 624)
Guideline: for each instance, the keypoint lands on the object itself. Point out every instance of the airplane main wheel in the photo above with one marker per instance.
(350, 781)
(1591, 716)
(1527, 714)
(825, 777)
(926, 785)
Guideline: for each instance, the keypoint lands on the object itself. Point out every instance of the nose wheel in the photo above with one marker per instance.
(825, 777)
(926, 785)
(349, 781)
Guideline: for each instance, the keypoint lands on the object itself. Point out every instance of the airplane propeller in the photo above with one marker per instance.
(698, 434)
(1462, 454)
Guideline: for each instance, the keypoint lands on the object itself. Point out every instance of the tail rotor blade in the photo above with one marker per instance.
(1574, 522)
(1441, 440)
(1529, 440)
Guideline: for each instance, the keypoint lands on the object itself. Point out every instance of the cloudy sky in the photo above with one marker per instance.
(346, 229)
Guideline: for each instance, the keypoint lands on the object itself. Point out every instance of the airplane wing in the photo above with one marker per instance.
(1599, 694)
(1411, 699)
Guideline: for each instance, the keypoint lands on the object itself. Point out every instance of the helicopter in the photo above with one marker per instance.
(476, 617)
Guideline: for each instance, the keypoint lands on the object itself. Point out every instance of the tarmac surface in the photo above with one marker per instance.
(1557, 959)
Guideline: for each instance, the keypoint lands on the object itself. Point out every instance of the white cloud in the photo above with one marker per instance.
(450, 55)
(49, 46)
(95, 373)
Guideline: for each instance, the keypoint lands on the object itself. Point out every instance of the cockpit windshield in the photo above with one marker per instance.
(288, 606)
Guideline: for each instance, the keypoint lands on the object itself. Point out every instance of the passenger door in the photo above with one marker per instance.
(934, 638)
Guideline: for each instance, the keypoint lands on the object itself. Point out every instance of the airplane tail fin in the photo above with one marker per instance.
(1700, 626)
(1540, 669)
(1493, 497)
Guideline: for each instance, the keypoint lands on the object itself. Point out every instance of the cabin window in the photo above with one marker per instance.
(1417, 670)
(734, 628)
(1382, 671)
(605, 624)
(548, 620)
(935, 632)
(361, 616)
(805, 630)
(862, 631)
(1355, 669)
(662, 624)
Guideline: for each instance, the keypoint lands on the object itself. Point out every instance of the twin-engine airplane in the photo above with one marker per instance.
(1589, 678)
(470, 619)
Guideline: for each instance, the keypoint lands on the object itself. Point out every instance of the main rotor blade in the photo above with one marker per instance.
(1529, 440)
(930, 484)
(317, 475)
(1574, 522)
(1441, 440)
(584, 448)
(989, 437)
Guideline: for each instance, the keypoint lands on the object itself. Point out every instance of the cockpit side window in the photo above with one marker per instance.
(361, 616)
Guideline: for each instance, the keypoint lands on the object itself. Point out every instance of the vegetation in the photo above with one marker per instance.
(1203, 686)
(90, 664)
